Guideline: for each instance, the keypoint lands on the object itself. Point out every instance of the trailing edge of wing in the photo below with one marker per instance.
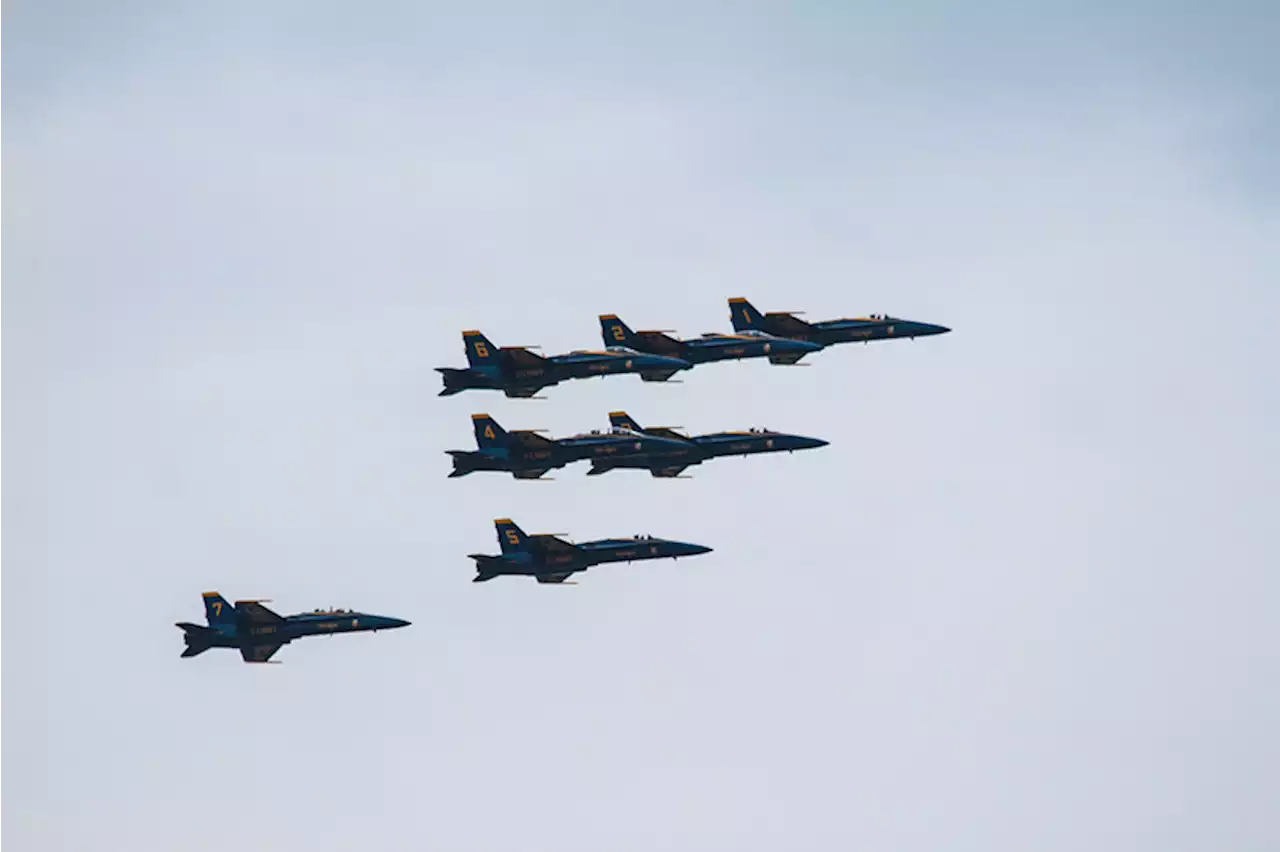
(658, 375)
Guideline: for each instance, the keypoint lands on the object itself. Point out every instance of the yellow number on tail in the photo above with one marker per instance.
(217, 607)
(482, 351)
(618, 333)
(512, 537)
(746, 317)
(488, 433)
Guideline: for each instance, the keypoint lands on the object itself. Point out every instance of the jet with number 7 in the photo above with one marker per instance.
(549, 559)
(257, 632)
(518, 372)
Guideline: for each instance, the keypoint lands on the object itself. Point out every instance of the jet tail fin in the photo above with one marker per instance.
(615, 332)
(489, 435)
(480, 350)
(218, 611)
(744, 315)
(510, 536)
(623, 420)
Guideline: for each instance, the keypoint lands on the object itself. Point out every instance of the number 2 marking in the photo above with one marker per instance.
(618, 334)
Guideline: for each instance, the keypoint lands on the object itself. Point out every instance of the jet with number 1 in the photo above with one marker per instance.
(257, 632)
(696, 449)
(709, 347)
(745, 318)
(549, 559)
(520, 373)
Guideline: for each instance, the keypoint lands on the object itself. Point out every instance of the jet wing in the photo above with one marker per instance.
(522, 358)
(554, 578)
(532, 440)
(787, 324)
(657, 375)
(668, 472)
(525, 391)
(256, 613)
(530, 474)
(788, 358)
(551, 544)
(259, 653)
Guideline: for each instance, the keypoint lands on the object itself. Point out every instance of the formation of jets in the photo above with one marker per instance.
(665, 452)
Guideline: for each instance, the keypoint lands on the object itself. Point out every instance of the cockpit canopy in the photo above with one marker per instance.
(875, 318)
(330, 611)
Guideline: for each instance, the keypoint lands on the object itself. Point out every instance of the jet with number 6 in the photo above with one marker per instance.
(549, 559)
(745, 318)
(258, 633)
(518, 372)
(527, 455)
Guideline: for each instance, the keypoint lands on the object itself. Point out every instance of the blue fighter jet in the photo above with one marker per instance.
(709, 347)
(552, 560)
(258, 632)
(517, 372)
(858, 329)
(698, 448)
(527, 455)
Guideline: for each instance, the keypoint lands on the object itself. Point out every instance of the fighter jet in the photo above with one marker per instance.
(517, 372)
(859, 329)
(527, 455)
(258, 632)
(552, 560)
(708, 347)
(698, 448)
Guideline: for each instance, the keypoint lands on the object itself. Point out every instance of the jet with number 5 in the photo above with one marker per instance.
(518, 372)
(708, 347)
(698, 448)
(549, 559)
(527, 455)
(746, 318)
(258, 633)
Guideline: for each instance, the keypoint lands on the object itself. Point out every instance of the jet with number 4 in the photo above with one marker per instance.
(518, 372)
(549, 559)
(527, 455)
(709, 347)
(698, 448)
(746, 318)
(258, 633)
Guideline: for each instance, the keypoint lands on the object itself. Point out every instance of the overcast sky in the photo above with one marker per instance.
(1026, 599)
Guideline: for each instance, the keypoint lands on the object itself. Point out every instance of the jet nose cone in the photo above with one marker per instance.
(935, 329)
(397, 622)
(685, 549)
(812, 443)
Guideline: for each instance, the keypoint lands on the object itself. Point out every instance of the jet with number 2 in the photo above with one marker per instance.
(553, 560)
(709, 347)
(856, 330)
(257, 632)
(698, 448)
(518, 372)
(527, 455)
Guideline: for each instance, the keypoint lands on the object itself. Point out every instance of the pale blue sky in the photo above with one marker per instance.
(1024, 600)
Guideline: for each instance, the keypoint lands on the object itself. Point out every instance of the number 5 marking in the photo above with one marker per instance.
(512, 537)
